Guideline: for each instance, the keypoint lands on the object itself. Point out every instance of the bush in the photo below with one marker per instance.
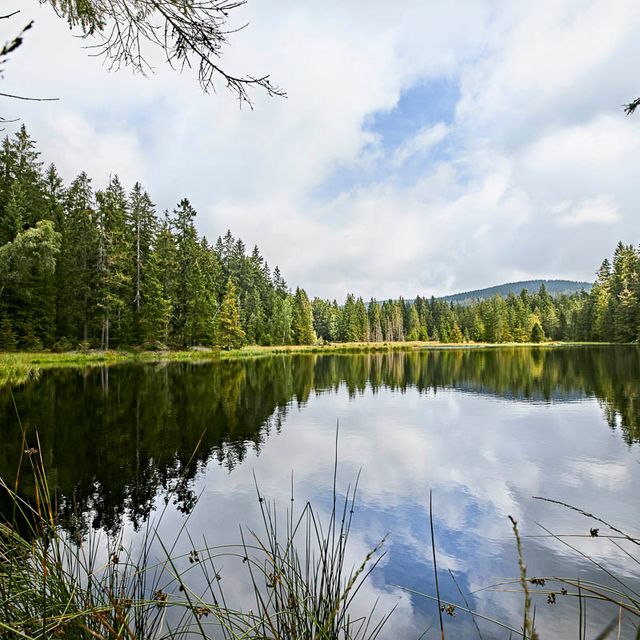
(30, 341)
(62, 345)
(154, 345)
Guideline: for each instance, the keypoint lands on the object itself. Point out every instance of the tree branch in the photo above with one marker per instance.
(184, 30)
(16, 97)
(632, 106)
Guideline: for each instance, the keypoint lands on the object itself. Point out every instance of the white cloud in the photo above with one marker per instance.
(538, 123)
(601, 210)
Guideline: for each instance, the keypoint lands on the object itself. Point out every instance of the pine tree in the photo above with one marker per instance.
(375, 322)
(8, 340)
(142, 227)
(302, 319)
(229, 333)
(537, 333)
(114, 260)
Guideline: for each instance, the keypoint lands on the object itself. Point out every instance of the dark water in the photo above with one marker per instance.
(485, 429)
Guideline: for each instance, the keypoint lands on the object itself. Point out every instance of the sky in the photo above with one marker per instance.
(423, 148)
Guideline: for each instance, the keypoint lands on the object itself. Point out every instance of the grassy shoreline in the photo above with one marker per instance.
(85, 358)
(18, 367)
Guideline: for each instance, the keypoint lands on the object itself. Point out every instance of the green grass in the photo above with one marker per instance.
(17, 368)
(82, 358)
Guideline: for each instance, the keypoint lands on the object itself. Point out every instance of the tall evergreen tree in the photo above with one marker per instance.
(375, 322)
(77, 282)
(302, 319)
(114, 260)
(229, 333)
(141, 228)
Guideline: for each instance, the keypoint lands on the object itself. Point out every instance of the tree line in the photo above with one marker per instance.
(102, 269)
(90, 268)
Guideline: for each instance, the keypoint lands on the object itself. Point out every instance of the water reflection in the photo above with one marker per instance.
(485, 429)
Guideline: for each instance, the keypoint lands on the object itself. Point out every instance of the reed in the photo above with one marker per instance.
(619, 596)
(56, 584)
(53, 585)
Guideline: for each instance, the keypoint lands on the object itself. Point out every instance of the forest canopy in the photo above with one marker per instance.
(100, 268)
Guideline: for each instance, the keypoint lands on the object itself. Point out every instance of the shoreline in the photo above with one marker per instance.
(96, 357)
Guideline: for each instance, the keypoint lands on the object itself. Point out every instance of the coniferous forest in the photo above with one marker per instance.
(82, 267)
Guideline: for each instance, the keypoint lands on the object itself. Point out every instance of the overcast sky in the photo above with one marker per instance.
(424, 147)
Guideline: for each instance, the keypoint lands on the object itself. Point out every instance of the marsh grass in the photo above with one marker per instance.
(619, 597)
(60, 584)
(54, 584)
(16, 368)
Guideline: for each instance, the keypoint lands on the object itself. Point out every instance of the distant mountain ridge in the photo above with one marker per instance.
(554, 287)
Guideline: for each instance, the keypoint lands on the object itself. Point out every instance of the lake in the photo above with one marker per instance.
(484, 429)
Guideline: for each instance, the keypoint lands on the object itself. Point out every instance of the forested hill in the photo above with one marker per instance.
(553, 287)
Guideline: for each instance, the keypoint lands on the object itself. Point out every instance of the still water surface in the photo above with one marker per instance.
(484, 429)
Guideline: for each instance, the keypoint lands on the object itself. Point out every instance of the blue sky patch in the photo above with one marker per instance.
(424, 104)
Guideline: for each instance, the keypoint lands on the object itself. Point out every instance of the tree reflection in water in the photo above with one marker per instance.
(114, 438)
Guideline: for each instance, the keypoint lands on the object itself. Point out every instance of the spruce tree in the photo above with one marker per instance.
(537, 333)
(77, 282)
(8, 340)
(413, 326)
(375, 322)
(280, 319)
(14, 217)
(114, 261)
(161, 297)
(361, 321)
(156, 308)
(141, 229)
(302, 319)
(229, 333)
(456, 333)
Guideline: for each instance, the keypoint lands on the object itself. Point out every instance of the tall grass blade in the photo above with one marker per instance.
(435, 564)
